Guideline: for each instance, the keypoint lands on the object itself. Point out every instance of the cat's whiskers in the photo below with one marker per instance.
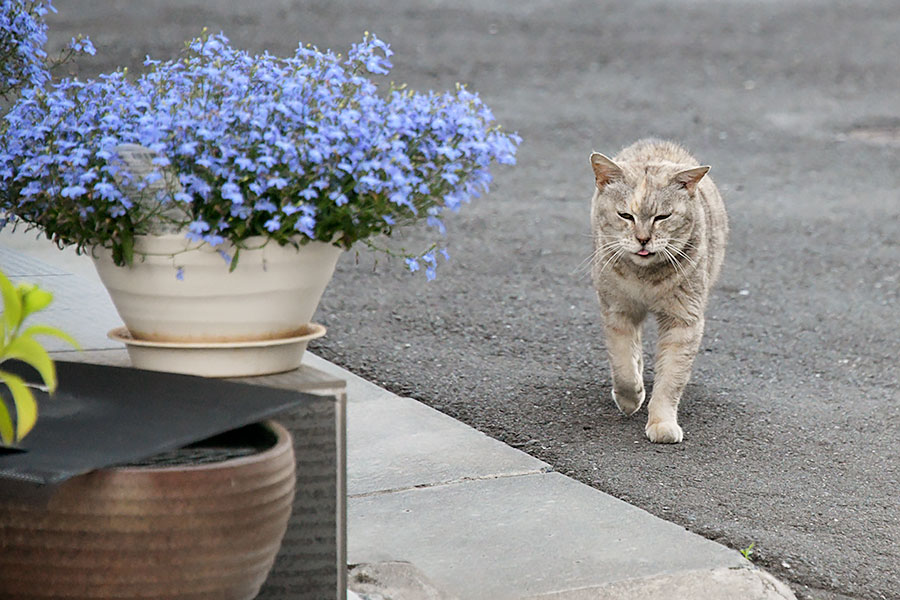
(676, 264)
(674, 261)
(585, 266)
(683, 254)
(613, 258)
(688, 246)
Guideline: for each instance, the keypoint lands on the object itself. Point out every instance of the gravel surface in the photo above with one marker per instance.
(792, 418)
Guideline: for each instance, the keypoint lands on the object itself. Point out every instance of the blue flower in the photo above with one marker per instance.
(231, 191)
(198, 227)
(339, 198)
(265, 205)
(105, 190)
(73, 191)
(245, 163)
(273, 224)
(436, 223)
(82, 44)
(187, 148)
(306, 225)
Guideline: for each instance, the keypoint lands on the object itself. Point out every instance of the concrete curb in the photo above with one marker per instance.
(403, 581)
(715, 584)
(392, 581)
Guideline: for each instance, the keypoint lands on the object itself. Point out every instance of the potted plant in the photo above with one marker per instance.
(248, 161)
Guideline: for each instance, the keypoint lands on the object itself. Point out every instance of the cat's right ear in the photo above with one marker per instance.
(605, 170)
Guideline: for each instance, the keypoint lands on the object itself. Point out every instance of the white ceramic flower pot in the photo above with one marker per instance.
(183, 293)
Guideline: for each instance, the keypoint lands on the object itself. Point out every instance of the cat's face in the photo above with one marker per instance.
(646, 216)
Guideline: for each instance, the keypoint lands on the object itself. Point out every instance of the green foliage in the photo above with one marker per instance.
(19, 302)
(748, 551)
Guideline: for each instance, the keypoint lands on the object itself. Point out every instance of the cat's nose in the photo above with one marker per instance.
(642, 240)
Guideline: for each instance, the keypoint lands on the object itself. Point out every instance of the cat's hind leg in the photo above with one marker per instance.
(623, 346)
(676, 349)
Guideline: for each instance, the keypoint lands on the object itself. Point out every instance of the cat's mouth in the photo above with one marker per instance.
(644, 252)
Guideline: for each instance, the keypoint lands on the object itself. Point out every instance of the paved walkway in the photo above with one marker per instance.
(438, 510)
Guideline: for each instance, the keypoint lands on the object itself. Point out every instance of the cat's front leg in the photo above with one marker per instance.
(677, 347)
(623, 345)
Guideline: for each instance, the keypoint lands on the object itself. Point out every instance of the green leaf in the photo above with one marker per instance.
(34, 299)
(117, 255)
(23, 398)
(47, 330)
(6, 424)
(127, 247)
(29, 351)
(234, 260)
(12, 305)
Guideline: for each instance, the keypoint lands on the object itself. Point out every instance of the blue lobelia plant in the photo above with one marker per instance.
(292, 149)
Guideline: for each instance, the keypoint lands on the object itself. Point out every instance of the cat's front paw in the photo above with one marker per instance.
(664, 432)
(628, 401)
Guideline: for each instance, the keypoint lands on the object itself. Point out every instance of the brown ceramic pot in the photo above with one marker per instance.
(198, 532)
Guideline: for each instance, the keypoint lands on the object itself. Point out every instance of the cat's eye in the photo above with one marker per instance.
(661, 217)
(626, 216)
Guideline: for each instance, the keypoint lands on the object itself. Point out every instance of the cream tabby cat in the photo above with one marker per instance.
(659, 229)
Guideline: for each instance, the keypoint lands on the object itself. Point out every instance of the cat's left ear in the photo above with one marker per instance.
(689, 178)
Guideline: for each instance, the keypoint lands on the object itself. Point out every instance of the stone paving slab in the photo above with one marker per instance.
(81, 307)
(513, 537)
(16, 264)
(40, 256)
(396, 443)
(399, 443)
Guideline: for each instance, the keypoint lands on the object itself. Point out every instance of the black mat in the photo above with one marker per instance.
(102, 416)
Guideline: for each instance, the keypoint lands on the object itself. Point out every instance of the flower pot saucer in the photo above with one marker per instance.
(218, 359)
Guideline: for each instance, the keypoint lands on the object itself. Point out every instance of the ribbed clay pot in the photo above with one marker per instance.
(195, 532)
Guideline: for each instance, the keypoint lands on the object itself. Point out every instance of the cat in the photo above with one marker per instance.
(659, 232)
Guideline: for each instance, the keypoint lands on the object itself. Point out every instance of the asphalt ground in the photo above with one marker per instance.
(792, 418)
